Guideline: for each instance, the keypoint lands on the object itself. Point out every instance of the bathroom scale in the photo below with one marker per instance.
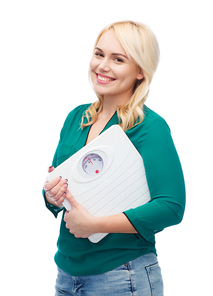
(107, 176)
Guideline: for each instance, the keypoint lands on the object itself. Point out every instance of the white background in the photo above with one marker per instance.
(44, 58)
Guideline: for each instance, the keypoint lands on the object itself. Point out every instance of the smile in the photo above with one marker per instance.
(104, 79)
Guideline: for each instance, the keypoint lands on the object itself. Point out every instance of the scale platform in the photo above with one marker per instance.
(107, 176)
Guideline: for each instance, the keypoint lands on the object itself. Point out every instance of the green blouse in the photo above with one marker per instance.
(152, 138)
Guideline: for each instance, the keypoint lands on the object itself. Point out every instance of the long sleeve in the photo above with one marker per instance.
(54, 209)
(165, 180)
(68, 135)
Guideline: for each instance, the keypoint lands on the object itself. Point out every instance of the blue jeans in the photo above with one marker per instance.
(139, 277)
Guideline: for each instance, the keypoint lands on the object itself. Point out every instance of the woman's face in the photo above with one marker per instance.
(113, 73)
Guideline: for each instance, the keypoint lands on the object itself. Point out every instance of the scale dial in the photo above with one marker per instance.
(92, 164)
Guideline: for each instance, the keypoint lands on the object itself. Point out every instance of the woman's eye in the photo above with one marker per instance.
(119, 60)
(98, 54)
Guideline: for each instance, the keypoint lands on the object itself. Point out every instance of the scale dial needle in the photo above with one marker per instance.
(89, 160)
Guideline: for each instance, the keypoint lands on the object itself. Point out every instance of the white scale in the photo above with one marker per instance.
(107, 176)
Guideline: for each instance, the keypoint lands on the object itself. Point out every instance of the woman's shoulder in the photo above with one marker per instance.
(79, 109)
(153, 119)
(73, 118)
(77, 113)
(150, 115)
(152, 127)
(152, 132)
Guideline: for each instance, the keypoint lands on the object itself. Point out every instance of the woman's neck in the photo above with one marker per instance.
(110, 106)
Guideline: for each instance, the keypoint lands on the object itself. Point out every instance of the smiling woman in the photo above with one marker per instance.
(124, 60)
(113, 73)
(126, 55)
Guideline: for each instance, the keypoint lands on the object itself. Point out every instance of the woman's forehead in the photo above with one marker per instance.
(109, 41)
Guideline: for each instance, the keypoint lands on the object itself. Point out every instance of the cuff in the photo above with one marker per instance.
(140, 227)
(54, 209)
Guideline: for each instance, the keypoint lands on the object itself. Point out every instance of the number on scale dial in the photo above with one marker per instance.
(92, 164)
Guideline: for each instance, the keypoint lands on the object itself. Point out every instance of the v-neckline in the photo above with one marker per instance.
(113, 120)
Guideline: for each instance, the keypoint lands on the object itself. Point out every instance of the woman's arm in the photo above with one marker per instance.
(82, 224)
(71, 124)
(165, 181)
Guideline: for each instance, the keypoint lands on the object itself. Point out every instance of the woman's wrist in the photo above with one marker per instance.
(113, 224)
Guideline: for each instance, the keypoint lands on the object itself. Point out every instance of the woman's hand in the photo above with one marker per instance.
(79, 221)
(55, 190)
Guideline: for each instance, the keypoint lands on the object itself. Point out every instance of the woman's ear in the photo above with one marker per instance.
(140, 76)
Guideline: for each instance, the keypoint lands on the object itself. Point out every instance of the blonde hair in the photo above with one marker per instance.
(140, 44)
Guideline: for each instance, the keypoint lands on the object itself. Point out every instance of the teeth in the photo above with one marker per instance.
(104, 78)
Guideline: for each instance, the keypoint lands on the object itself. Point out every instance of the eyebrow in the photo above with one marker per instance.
(114, 54)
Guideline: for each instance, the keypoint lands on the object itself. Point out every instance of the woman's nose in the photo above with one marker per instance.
(104, 66)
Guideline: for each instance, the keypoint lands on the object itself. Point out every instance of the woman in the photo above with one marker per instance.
(124, 60)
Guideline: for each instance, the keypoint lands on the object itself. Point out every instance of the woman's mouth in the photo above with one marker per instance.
(103, 78)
